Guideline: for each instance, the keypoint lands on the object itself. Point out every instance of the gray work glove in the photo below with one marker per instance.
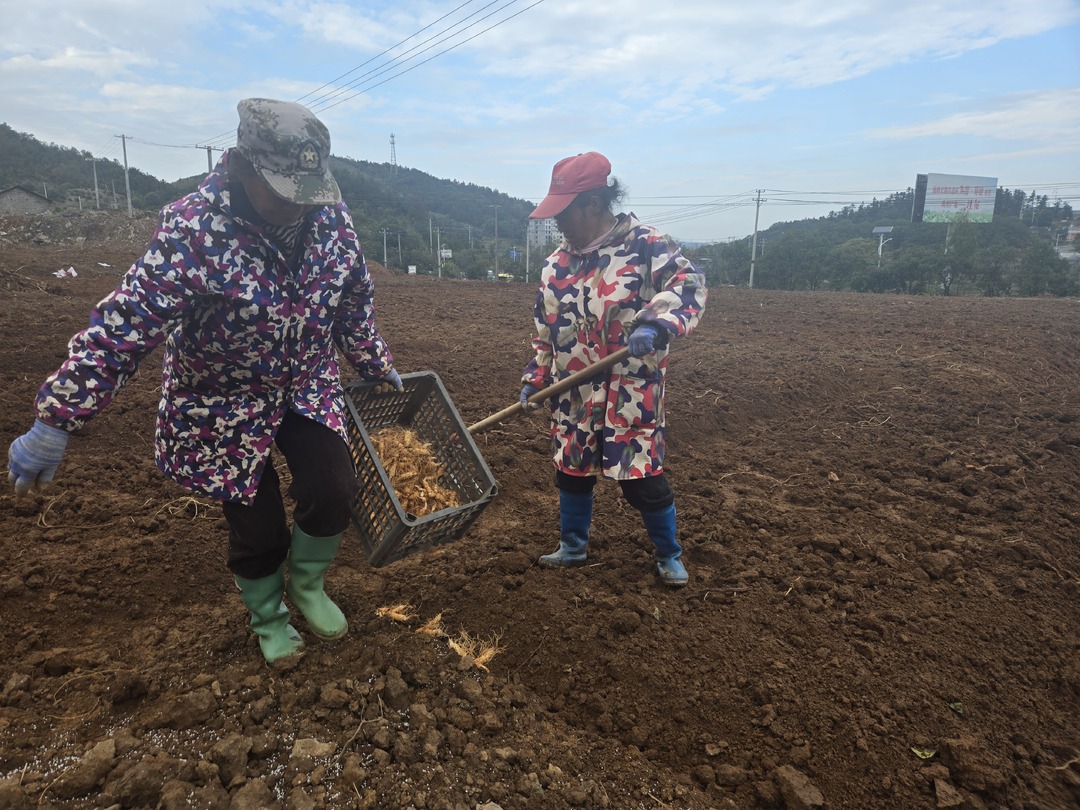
(391, 382)
(34, 457)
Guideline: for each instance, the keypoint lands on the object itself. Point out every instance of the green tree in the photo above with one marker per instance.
(722, 263)
(1043, 272)
(813, 269)
(961, 243)
(995, 268)
(852, 264)
(474, 263)
(916, 268)
(792, 262)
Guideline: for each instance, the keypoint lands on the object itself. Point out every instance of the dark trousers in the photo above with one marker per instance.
(323, 487)
(644, 494)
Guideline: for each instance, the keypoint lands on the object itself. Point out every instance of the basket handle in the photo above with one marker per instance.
(552, 390)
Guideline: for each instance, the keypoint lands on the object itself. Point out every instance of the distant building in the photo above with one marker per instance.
(1070, 249)
(542, 232)
(17, 200)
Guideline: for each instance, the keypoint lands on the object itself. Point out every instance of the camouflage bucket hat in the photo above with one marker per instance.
(289, 148)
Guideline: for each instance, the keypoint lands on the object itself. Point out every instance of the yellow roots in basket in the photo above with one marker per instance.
(413, 470)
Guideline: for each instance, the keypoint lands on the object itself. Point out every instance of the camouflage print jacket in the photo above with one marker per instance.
(246, 338)
(586, 308)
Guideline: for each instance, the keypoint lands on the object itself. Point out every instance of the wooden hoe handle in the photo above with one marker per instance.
(543, 394)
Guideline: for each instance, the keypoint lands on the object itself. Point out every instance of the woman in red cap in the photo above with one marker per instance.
(612, 283)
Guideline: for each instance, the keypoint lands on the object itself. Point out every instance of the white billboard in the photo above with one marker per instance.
(945, 197)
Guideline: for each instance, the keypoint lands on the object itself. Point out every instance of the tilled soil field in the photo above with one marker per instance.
(878, 497)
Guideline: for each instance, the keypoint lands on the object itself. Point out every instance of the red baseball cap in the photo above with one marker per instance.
(570, 177)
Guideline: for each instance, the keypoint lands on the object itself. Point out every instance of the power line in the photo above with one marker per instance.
(339, 90)
(110, 147)
(372, 59)
(833, 193)
(833, 198)
(320, 103)
(164, 145)
(698, 213)
(440, 53)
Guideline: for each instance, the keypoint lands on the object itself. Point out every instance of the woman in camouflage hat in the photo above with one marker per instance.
(256, 284)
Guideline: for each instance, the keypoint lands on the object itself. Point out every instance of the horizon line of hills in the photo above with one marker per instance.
(411, 210)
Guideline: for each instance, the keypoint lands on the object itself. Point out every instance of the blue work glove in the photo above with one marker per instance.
(34, 456)
(642, 339)
(527, 391)
(391, 382)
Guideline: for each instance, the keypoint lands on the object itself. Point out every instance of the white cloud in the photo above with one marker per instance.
(738, 49)
(699, 95)
(1046, 116)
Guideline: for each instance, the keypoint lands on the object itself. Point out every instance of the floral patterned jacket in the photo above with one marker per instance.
(586, 308)
(248, 335)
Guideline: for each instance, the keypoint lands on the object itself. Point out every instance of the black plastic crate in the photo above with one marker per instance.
(387, 531)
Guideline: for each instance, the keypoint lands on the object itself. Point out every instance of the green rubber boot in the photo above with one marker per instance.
(308, 561)
(278, 640)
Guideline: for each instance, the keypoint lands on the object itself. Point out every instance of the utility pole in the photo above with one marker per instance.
(753, 245)
(210, 156)
(127, 180)
(438, 258)
(400, 263)
(431, 243)
(496, 207)
(526, 254)
(384, 260)
(97, 197)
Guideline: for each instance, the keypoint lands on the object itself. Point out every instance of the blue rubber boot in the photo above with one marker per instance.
(575, 518)
(661, 528)
(308, 560)
(278, 640)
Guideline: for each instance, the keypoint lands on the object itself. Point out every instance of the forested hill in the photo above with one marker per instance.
(428, 212)
(408, 218)
(411, 212)
(876, 247)
(1033, 208)
(62, 173)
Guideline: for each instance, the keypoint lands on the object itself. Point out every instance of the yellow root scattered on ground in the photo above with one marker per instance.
(413, 470)
(475, 648)
(471, 648)
(433, 627)
(399, 613)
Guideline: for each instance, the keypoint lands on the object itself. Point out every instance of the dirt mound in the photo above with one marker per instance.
(79, 228)
(879, 502)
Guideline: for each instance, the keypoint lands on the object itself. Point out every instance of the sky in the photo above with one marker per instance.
(699, 104)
